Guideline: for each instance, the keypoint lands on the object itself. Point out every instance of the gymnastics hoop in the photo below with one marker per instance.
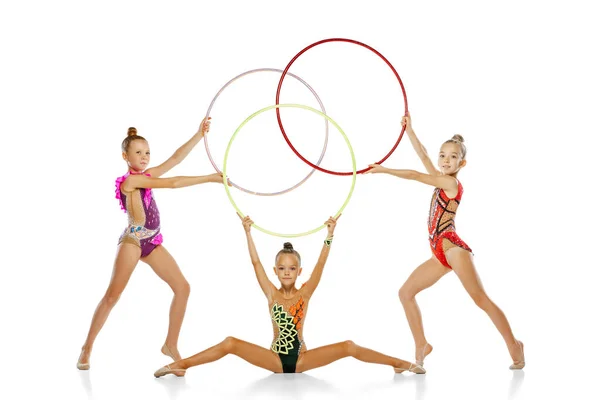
(285, 71)
(320, 105)
(277, 106)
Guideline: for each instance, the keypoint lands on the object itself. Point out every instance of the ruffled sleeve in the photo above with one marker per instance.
(118, 183)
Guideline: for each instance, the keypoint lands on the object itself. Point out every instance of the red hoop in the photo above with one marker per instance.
(279, 117)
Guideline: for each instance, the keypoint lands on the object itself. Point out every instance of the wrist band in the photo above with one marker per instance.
(328, 241)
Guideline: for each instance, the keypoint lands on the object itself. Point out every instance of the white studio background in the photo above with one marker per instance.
(519, 80)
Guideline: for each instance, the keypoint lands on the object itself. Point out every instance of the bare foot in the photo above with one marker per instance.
(422, 352)
(84, 359)
(171, 352)
(517, 353)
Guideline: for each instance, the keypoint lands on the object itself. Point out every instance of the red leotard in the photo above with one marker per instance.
(442, 233)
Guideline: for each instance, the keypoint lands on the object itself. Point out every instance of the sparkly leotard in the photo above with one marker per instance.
(143, 228)
(288, 320)
(442, 233)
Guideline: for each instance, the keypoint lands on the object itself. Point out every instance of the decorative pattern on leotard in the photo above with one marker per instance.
(442, 229)
(288, 323)
(143, 216)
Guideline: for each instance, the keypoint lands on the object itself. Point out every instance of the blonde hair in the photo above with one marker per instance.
(287, 249)
(131, 136)
(459, 140)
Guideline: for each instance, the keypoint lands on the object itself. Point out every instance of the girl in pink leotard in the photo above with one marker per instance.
(142, 240)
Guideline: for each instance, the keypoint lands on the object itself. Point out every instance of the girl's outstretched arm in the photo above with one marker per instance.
(445, 182)
(418, 146)
(265, 284)
(181, 153)
(142, 181)
(315, 277)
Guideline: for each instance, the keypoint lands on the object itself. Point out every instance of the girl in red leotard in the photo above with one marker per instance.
(449, 251)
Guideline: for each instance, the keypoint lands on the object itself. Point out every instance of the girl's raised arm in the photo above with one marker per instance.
(181, 153)
(265, 284)
(418, 146)
(315, 277)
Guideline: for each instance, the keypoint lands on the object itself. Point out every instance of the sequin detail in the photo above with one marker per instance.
(442, 230)
(143, 216)
(139, 232)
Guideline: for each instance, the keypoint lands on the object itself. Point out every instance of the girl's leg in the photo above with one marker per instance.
(461, 262)
(424, 276)
(252, 353)
(164, 265)
(127, 257)
(321, 356)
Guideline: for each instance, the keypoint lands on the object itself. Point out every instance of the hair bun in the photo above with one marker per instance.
(458, 138)
(131, 131)
(288, 246)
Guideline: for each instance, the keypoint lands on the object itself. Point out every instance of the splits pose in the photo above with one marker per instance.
(141, 240)
(288, 307)
(449, 251)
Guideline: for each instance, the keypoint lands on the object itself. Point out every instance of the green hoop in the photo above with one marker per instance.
(288, 235)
